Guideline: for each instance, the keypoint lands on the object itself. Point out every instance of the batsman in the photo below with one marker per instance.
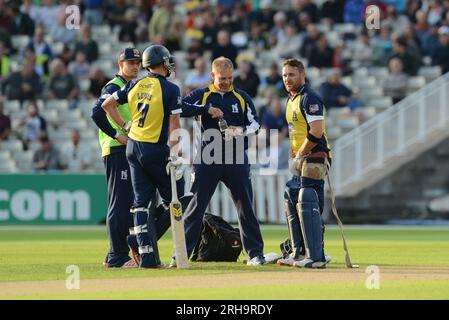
(310, 156)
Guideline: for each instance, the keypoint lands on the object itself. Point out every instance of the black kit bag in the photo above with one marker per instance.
(219, 241)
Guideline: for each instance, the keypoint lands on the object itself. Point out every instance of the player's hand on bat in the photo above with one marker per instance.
(215, 112)
(174, 161)
(122, 139)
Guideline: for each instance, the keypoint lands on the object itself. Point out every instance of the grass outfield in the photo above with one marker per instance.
(413, 263)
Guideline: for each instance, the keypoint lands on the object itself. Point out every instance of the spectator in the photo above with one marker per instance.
(421, 26)
(79, 68)
(431, 41)
(41, 69)
(41, 49)
(269, 94)
(397, 22)
(46, 158)
(310, 8)
(97, 81)
(93, 12)
(166, 26)
(303, 22)
(440, 56)
(413, 42)
(197, 78)
(129, 26)
(332, 11)
(396, 82)
(257, 40)
(5, 38)
(60, 33)
(354, 11)
(76, 156)
(264, 16)
(363, 50)
(62, 84)
(321, 54)
(194, 52)
(5, 63)
(115, 12)
(24, 84)
(5, 124)
(34, 126)
(44, 14)
(435, 12)
(410, 62)
(247, 80)
(278, 32)
(144, 13)
(289, 45)
(334, 93)
(341, 58)
(308, 44)
(21, 23)
(209, 30)
(274, 79)
(274, 118)
(224, 47)
(87, 44)
(66, 55)
(382, 46)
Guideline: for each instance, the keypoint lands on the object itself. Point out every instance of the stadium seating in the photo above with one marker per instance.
(366, 81)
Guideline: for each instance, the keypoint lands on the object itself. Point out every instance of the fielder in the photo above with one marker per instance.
(310, 152)
(113, 146)
(155, 104)
(240, 115)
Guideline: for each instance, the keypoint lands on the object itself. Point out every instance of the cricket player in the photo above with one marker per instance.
(113, 146)
(310, 156)
(241, 119)
(156, 105)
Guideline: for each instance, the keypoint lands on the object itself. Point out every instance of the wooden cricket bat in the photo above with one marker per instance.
(177, 225)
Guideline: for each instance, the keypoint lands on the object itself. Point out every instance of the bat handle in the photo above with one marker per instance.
(174, 191)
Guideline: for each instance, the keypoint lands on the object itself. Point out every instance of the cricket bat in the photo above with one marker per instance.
(177, 225)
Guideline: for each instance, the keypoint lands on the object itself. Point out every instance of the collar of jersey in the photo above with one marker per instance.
(121, 78)
(155, 75)
(213, 89)
(300, 92)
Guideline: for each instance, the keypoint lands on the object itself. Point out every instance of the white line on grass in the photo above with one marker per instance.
(273, 227)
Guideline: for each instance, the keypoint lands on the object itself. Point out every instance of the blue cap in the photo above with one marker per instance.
(130, 54)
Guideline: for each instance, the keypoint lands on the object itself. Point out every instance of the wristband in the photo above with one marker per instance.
(312, 138)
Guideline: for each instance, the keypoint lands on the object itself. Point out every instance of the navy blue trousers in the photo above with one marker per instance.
(237, 179)
(147, 162)
(120, 199)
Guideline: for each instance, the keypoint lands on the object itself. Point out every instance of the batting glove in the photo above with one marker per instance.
(176, 162)
(295, 164)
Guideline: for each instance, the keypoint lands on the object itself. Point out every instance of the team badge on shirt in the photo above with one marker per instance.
(314, 108)
(295, 116)
(235, 108)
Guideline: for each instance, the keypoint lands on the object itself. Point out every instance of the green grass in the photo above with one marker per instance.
(44, 255)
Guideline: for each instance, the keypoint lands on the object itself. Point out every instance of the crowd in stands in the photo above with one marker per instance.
(57, 60)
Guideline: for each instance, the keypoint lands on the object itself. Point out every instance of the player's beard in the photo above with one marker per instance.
(294, 88)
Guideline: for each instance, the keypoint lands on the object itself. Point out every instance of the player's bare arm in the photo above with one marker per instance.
(110, 106)
(315, 132)
(175, 123)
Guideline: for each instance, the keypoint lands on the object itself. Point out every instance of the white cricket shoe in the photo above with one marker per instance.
(290, 260)
(256, 261)
(309, 263)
